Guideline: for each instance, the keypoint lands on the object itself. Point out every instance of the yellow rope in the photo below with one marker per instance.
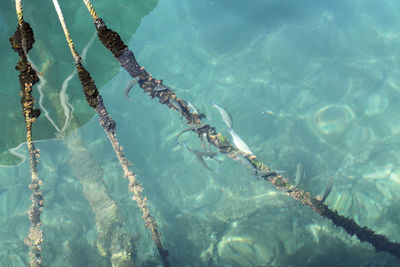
(91, 10)
(21, 42)
(75, 55)
(18, 7)
(121, 254)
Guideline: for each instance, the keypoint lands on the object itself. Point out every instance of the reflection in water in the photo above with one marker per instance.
(55, 65)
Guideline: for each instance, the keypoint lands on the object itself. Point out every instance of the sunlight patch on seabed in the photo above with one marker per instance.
(376, 104)
(315, 230)
(242, 251)
(330, 120)
(395, 176)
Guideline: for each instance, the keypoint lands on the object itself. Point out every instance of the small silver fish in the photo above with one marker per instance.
(205, 154)
(200, 153)
(160, 87)
(202, 162)
(204, 142)
(190, 128)
(268, 173)
(268, 112)
(299, 175)
(328, 190)
(298, 178)
(191, 107)
(176, 105)
(199, 156)
(129, 87)
(226, 117)
(239, 142)
(245, 161)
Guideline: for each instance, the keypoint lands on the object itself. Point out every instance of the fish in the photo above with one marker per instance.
(201, 153)
(160, 87)
(239, 142)
(268, 173)
(205, 154)
(268, 112)
(245, 161)
(202, 162)
(191, 127)
(199, 156)
(129, 87)
(176, 105)
(299, 175)
(191, 107)
(226, 117)
(298, 178)
(258, 173)
(208, 154)
(204, 142)
(328, 190)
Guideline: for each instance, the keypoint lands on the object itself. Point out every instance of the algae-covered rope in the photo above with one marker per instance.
(94, 100)
(126, 58)
(21, 42)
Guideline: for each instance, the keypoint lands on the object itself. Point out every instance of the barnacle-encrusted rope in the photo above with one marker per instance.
(94, 99)
(126, 58)
(21, 42)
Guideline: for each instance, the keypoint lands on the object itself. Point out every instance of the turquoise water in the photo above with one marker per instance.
(52, 57)
(314, 82)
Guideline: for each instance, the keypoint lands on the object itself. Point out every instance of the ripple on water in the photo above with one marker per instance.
(395, 177)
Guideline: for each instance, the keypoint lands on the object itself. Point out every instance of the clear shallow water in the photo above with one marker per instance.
(53, 60)
(314, 83)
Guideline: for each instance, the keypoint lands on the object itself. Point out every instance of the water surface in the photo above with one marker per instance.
(314, 82)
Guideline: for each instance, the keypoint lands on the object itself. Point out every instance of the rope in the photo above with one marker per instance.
(112, 41)
(21, 42)
(94, 100)
(90, 8)
(18, 7)
(65, 29)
